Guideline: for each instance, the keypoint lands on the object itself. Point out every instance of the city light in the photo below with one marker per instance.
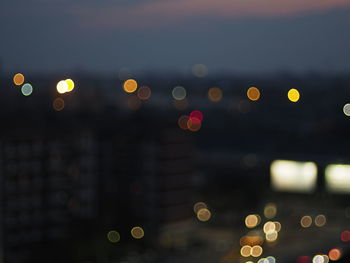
(338, 178)
(292, 176)
(18, 79)
(27, 89)
(293, 95)
(251, 221)
(253, 93)
(203, 214)
(137, 232)
(334, 254)
(58, 104)
(215, 94)
(346, 109)
(270, 210)
(130, 86)
(179, 93)
(320, 220)
(306, 221)
(113, 236)
(62, 87)
(144, 93)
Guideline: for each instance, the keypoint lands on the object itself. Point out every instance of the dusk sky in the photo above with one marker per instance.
(231, 35)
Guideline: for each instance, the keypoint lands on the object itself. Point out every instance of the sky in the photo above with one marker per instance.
(162, 35)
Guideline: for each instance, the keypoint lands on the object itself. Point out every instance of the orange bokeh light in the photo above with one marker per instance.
(334, 254)
(18, 79)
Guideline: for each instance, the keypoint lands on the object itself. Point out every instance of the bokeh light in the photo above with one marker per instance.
(58, 104)
(113, 236)
(62, 87)
(70, 84)
(271, 259)
(251, 240)
(200, 70)
(137, 232)
(246, 251)
(270, 210)
(346, 109)
(181, 104)
(130, 85)
(345, 236)
(182, 122)
(320, 220)
(253, 93)
(251, 221)
(293, 95)
(179, 93)
(334, 254)
(278, 226)
(194, 124)
(256, 251)
(272, 236)
(197, 115)
(144, 93)
(306, 221)
(269, 227)
(318, 259)
(18, 79)
(203, 214)
(27, 89)
(133, 102)
(198, 206)
(215, 94)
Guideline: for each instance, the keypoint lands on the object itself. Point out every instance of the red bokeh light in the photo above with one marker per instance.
(196, 115)
(345, 236)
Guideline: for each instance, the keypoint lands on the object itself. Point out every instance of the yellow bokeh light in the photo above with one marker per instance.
(253, 93)
(269, 227)
(256, 251)
(215, 94)
(246, 251)
(198, 206)
(113, 236)
(70, 84)
(194, 125)
(320, 220)
(251, 221)
(144, 93)
(278, 226)
(203, 214)
(270, 210)
(130, 86)
(293, 95)
(137, 232)
(58, 104)
(272, 236)
(18, 79)
(62, 87)
(306, 221)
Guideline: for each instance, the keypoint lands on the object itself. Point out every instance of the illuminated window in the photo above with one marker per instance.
(338, 178)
